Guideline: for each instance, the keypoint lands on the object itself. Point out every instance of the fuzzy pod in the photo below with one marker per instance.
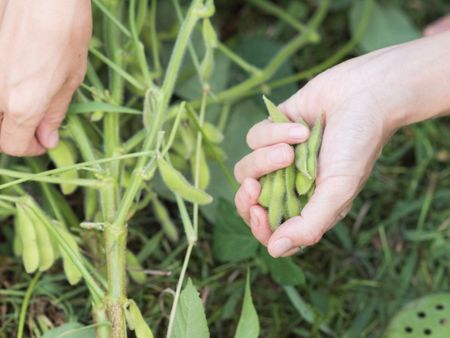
(303, 183)
(47, 254)
(293, 206)
(136, 321)
(152, 99)
(71, 271)
(266, 190)
(215, 152)
(135, 269)
(301, 159)
(275, 114)
(62, 156)
(277, 200)
(204, 173)
(178, 161)
(212, 133)
(188, 137)
(90, 203)
(176, 182)
(163, 217)
(314, 142)
(28, 237)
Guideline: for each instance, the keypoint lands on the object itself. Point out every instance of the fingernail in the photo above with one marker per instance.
(254, 220)
(53, 139)
(280, 247)
(297, 132)
(278, 155)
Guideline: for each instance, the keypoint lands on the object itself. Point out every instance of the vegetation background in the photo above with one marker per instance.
(393, 247)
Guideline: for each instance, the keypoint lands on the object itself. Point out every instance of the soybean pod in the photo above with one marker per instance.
(163, 217)
(276, 208)
(27, 234)
(266, 190)
(292, 202)
(44, 242)
(176, 182)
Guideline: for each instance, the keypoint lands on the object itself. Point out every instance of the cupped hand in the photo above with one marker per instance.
(43, 53)
(364, 101)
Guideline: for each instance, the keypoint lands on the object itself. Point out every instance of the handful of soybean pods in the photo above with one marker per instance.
(286, 191)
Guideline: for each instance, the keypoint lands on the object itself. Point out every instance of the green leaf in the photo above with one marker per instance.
(248, 326)
(190, 320)
(284, 271)
(388, 26)
(232, 239)
(71, 330)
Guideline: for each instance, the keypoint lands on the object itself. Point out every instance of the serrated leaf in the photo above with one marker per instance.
(388, 26)
(248, 326)
(190, 319)
(232, 239)
(284, 271)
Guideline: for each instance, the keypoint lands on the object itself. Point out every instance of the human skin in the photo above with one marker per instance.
(43, 56)
(365, 100)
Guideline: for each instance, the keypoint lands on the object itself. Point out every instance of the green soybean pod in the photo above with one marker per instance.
(163, 217)
(178, 161)
(65, 155)
(135, 269)
(276, 209)
(292, 202)
(27, 234)
(90, 203)
(301, 158)
(140, 327)
(44, 242)
(213, 134)
(266, 189)
(204, 174)
(176, 182)
(303, 183)
(275, 114)
(17, 241)
(314, 146)
(71, 271)
(215, 152)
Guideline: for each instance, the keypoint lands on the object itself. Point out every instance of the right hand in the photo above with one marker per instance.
(364, 100)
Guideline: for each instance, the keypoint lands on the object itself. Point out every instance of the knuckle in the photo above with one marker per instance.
(311, 238)
(237, 171)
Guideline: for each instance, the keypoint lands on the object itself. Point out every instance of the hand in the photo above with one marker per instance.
(365, 100)
(43, 53)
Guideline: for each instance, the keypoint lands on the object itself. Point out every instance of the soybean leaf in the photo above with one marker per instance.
(248, 326)
(232, 239)
(71, 330)
(190, 320)
(284, 271)
(388, 26)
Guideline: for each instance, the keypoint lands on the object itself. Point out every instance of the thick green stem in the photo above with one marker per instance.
(176, 59)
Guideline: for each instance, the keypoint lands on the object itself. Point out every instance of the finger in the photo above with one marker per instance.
(263, 161)
(265, 134)
(439, 26)
(47, 131)
(259, 224)
(330, 199)
(246, 197)
(17, 133)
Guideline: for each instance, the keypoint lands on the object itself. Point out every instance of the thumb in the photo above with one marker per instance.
(331, 201)
(47, 132)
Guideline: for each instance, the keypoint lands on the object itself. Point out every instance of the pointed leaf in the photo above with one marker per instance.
(190, 320)
(248, 326)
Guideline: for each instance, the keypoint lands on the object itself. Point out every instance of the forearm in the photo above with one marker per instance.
(425, 73)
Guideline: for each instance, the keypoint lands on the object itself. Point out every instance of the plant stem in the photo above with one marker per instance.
(167, 90)
(25, 303)
(178, 290)
(278, 12)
